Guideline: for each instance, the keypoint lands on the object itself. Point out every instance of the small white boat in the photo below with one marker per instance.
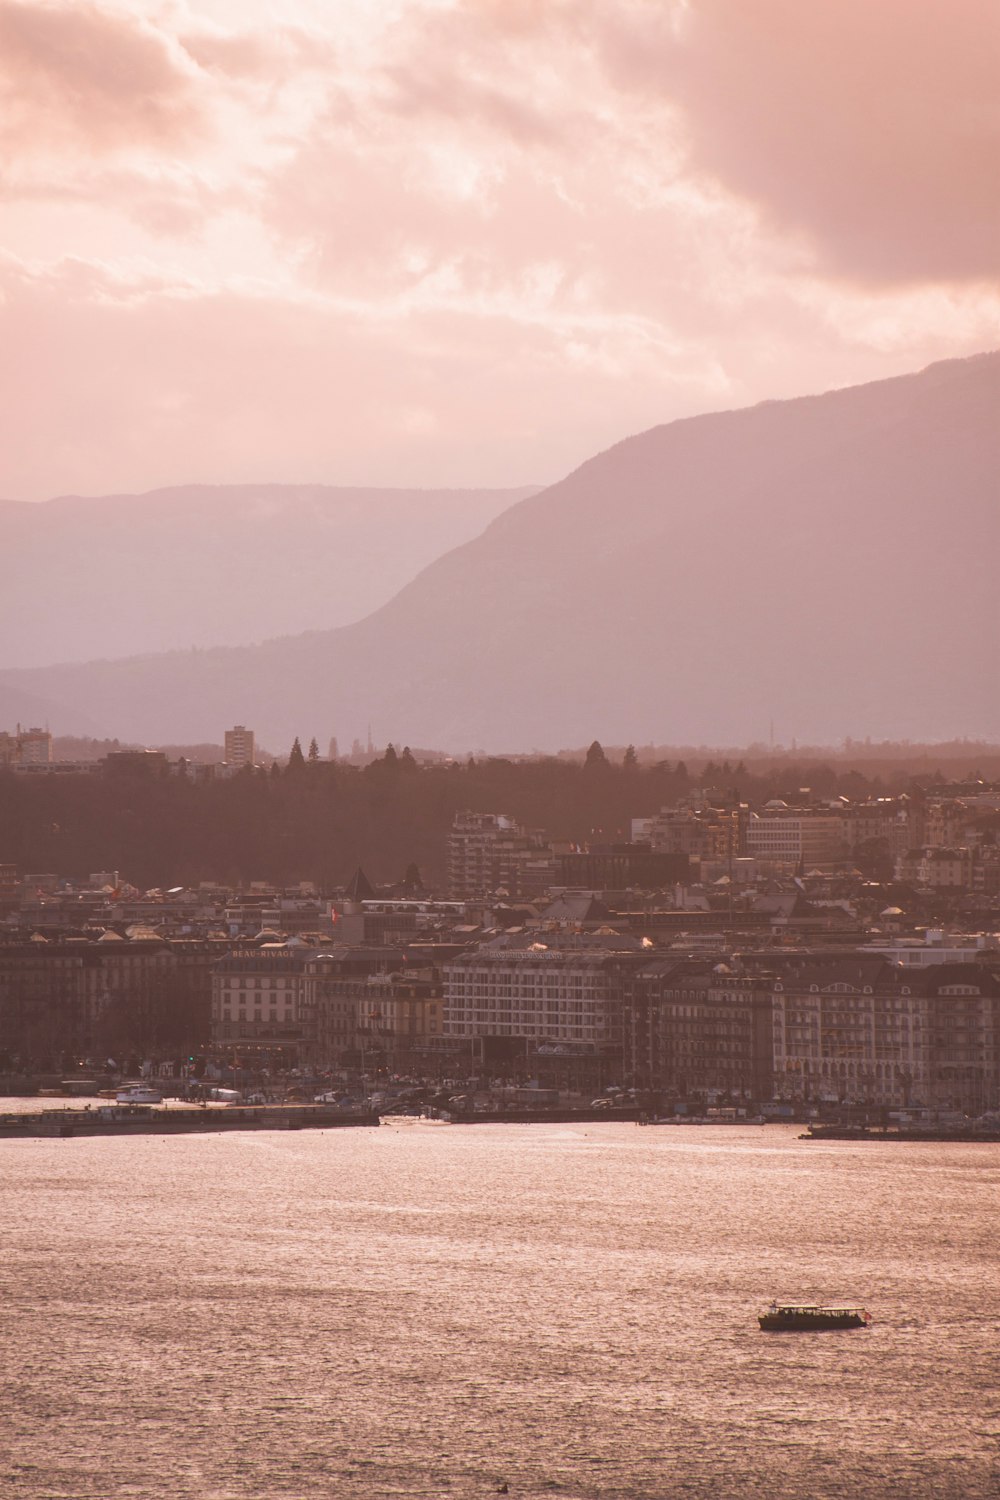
(138, 1093)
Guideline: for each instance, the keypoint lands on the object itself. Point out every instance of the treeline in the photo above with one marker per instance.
(318, 820)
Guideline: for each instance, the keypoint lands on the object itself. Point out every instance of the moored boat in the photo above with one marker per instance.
(138, 1093)
(809, 1317)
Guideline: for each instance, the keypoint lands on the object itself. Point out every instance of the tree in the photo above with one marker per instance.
(630, 760)
(595, 756)
(406, 760)
(296, 760)
(313, 749)
(390, 758)
(412, 880)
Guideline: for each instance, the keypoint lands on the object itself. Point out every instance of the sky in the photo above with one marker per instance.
(471, 242)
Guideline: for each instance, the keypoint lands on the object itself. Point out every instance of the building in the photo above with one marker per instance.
(34, 747)
(621, 867)
(700, 830)
(936, 868)
(347, 1003)
(795, 837)
(239, 747)
(487, 852)
(861, 1031)
(91, 995)
(689, 1030)
(26, 749)
(549, 1008)
(257, 1002)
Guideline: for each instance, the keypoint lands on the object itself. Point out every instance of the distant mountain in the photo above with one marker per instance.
(828, 564)
(214, 565)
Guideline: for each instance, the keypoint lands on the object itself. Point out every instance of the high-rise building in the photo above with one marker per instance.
(34, 747)
(239, 746)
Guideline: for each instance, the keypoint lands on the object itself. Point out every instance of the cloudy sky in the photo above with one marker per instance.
(471, 241)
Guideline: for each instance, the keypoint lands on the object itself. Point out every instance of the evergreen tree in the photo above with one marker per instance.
(313, 749)
(630, 760)
(406, 760)
(390, 758)
(595, 756)
(296, 760)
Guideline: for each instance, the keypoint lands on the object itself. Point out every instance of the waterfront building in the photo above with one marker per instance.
(863, 1031)
(690, 1029)
(257, 1001)
(348, 1002)
(555, 1004)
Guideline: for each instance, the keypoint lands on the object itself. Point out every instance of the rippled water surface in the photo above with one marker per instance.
(430, 1310)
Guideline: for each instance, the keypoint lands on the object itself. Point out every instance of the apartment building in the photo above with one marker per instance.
(487, 852)
(690, 1030)
(348, 1002)
(239, 747)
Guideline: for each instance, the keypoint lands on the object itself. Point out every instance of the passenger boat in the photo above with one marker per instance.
(808, 1317)
(138, 1093)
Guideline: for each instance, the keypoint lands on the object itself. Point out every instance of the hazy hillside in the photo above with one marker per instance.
(828, 563)
(214, 565)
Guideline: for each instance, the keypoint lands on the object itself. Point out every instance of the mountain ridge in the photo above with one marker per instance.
(234, 563)
(785, 561)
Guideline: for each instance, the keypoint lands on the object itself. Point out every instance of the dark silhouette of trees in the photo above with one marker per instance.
(392, 815)
(296, 760)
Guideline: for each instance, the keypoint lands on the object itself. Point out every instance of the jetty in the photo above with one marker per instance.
(185, 1119)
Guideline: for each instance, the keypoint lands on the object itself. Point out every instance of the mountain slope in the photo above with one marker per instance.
(213, 565)
(825, 563)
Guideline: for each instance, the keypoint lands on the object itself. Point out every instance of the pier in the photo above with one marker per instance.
(143, 1119)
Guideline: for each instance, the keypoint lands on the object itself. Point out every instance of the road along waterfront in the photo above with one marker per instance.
(430, 1309)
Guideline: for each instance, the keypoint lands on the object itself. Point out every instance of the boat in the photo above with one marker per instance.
(138, 1093)
(809, 1317)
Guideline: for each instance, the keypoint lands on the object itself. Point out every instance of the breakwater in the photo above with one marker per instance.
(141, 1119)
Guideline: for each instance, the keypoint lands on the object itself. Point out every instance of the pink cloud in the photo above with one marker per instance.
(468, 243)
(75, 74)
(872, 129)
(273, 55)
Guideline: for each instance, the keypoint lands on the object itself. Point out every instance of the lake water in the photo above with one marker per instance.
(428, 1310)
